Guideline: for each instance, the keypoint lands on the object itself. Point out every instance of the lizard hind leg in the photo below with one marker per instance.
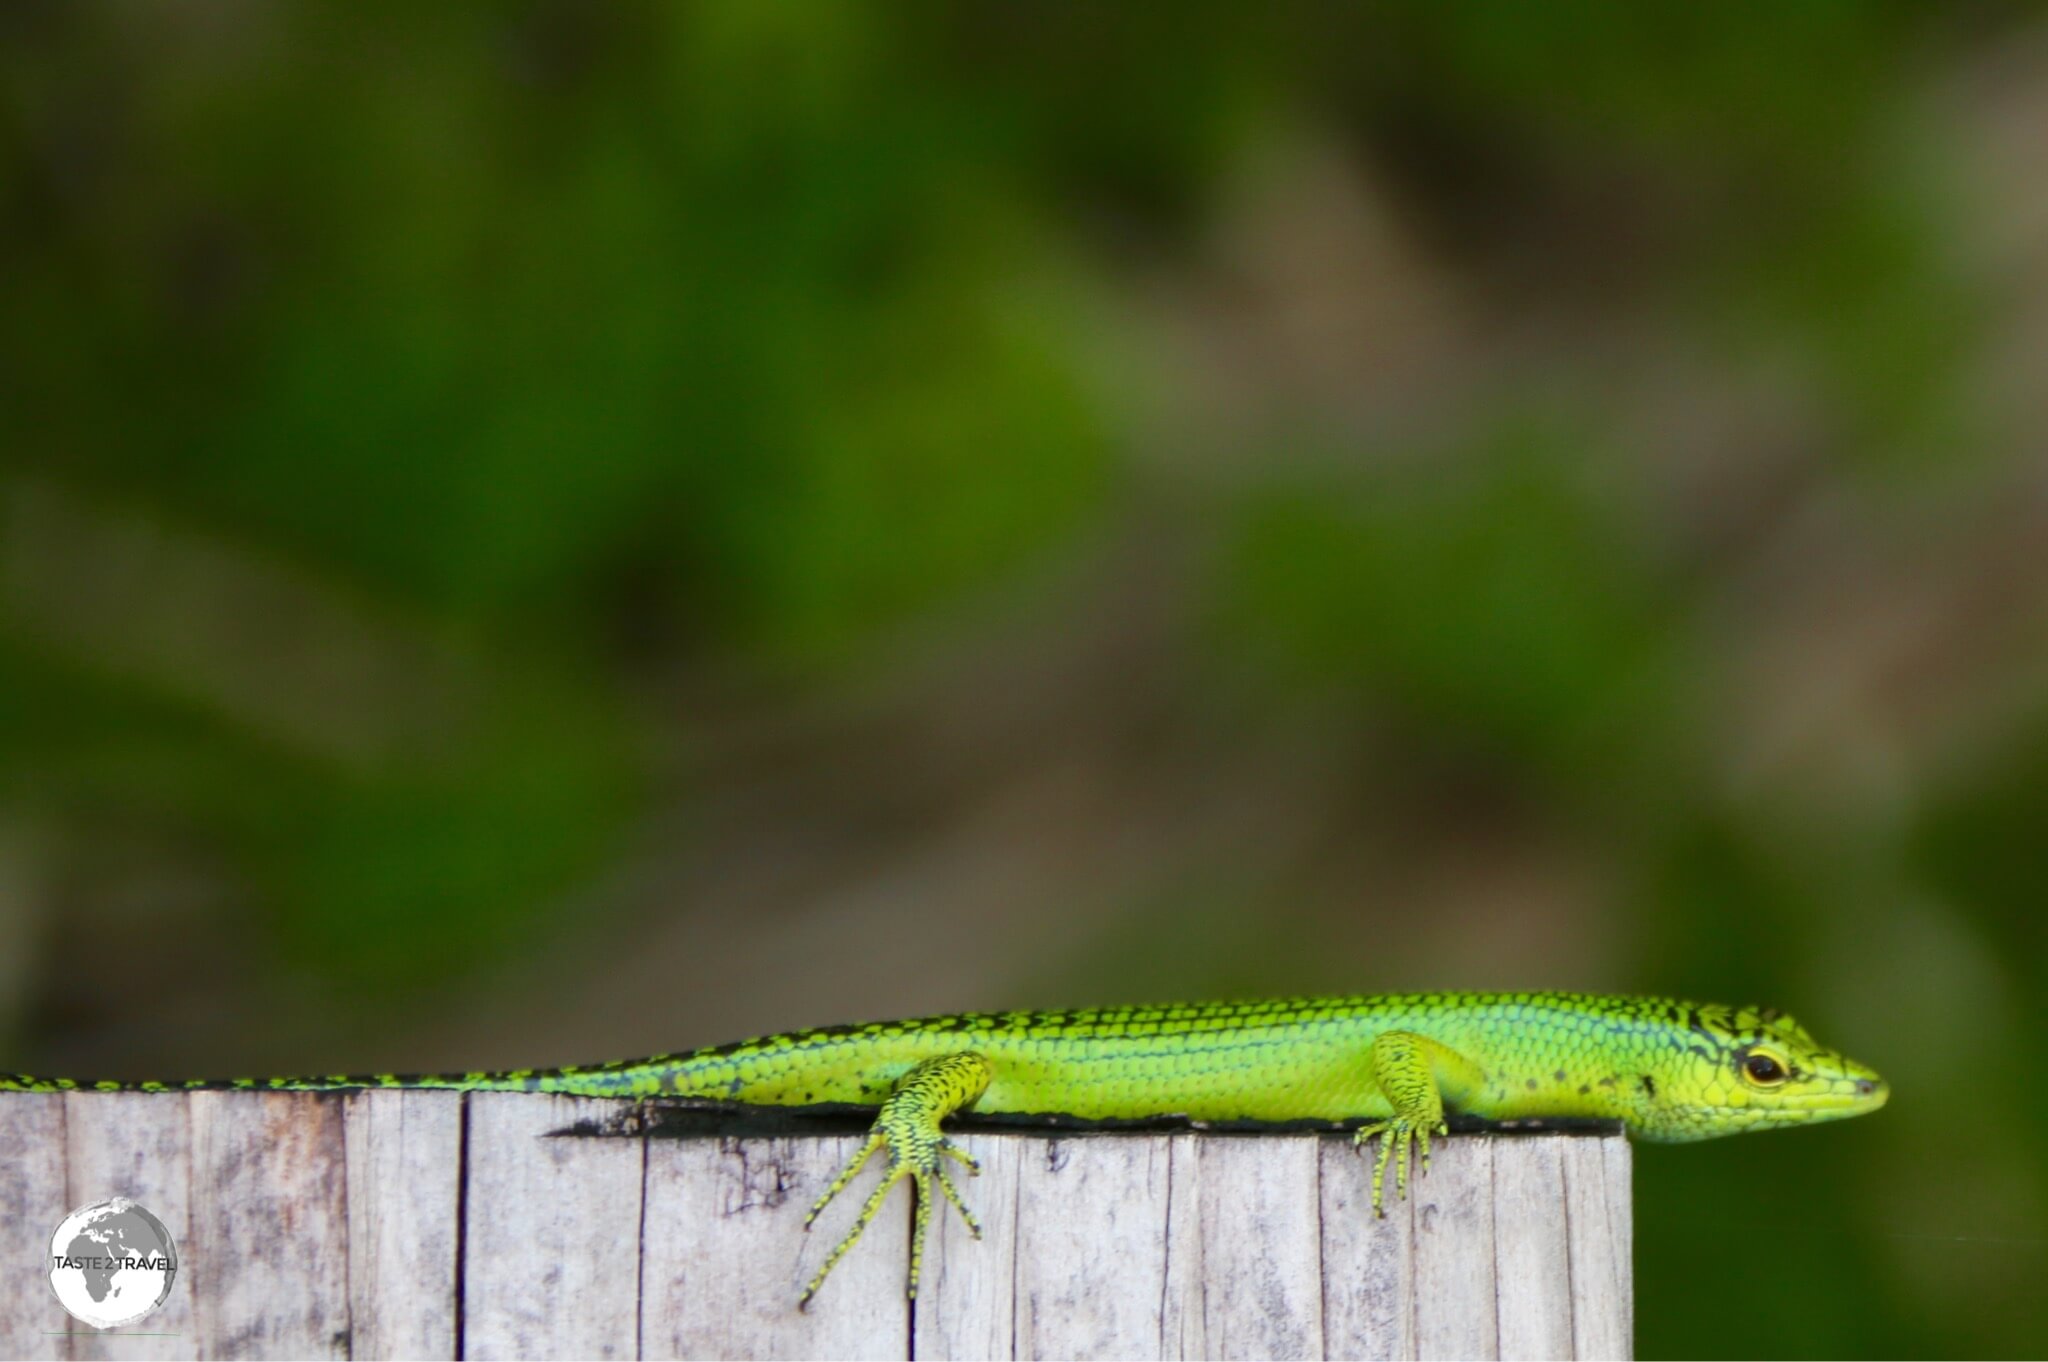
(907, 1128)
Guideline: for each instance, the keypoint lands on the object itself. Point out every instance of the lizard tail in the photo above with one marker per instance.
(624, 1078)
(522, 1080)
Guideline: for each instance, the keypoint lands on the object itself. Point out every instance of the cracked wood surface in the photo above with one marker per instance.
(423, 1224)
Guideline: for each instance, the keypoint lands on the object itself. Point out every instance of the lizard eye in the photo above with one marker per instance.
(1763, 1069)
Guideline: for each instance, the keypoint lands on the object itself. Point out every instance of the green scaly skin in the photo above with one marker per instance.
(1393, 1065)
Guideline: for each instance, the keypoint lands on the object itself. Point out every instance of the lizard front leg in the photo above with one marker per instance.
(1407, 1068)
(908, 1128)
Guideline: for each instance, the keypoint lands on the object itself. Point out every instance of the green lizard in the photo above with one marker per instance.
(1394, 1065)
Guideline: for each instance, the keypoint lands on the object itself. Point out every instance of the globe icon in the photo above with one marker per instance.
(112, 1263)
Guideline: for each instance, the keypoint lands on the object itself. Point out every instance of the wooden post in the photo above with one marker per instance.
(426, 1224)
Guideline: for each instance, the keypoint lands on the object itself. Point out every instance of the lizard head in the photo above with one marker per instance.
(1730, 1069)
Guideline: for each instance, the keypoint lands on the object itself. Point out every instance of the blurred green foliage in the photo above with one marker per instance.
(1486, 592)
(407, 406)
(508, 324)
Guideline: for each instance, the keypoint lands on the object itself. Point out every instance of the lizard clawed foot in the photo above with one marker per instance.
(954, 1151)
(908, 1128)
(1395, 1135)
(915, 1160)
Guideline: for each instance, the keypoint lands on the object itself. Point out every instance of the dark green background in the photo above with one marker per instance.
(538, 532)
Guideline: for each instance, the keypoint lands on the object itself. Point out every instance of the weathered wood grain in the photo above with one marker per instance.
(1258, 1208)
(1090, 1256)
(33, 1199)
(268, 1253)
(404, 1181)
(430, 1224)
(1532, 1250)
(552, 1227)
(1598, 1224)
(724, 1255)
(1451, 1207)
(137, 1145)
(1368, 1274)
